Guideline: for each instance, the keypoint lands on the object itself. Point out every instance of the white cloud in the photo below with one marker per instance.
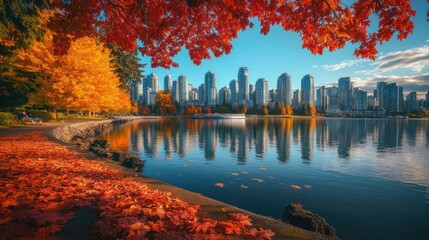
(343, 64)
(414, 59)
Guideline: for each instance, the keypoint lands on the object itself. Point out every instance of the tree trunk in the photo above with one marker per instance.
(55, 114)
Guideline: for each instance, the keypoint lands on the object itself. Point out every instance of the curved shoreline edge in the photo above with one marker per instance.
(209, 207)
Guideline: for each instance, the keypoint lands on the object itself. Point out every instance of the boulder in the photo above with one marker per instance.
(127, 160)
(297, 216)
(101, 142)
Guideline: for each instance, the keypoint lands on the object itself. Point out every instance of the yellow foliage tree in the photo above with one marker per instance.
(82, 79)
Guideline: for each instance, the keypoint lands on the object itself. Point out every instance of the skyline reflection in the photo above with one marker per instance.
(239, 136)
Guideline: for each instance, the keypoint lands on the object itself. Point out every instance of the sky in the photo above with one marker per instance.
(405, 62)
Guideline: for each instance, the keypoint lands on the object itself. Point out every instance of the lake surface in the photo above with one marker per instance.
(369, 178)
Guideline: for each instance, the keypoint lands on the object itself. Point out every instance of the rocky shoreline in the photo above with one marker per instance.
(84, 135)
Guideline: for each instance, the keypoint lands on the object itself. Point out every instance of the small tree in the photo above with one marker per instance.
(264, 110)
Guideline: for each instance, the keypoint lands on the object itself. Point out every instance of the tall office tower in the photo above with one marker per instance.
(136, 92)
(243, 85)
(427, 100)
(190, 87)
(345, 93)
(152, 82)
(333, 101)
(261, 92)
(224, 95)
(252, 93)
(307, 90)
(284, 89)
(210, 89)
(401, 98)
(233, 86)
(391, 97)
(371, 102)
(322, 98)
(296, 100)
(183, 89)
(380, 94)
(175, 90)
(412, 103)
(273, 96)
(201, 93)
(360, 99)
(168, 83)
(193, 96)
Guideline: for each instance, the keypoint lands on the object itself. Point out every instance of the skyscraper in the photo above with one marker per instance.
(307, 90)
(360, 99)
(201, 93)
(243, 85)
(412, 104)
(210, 89)
(233, 86)
(183, 89)
(322, 99)
(284, 89)
(427, 100)
(261, 92)
(224, 95)
(136, 92)
(168, 83)
(380, 94)
(345, 93)
(391, 97)
(152, 82)
(175, 92)
(296, 100)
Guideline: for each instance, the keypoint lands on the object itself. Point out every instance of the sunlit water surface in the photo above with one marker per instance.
(369, 178)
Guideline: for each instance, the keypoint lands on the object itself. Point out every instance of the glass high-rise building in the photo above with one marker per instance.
(201, 94)
(210, 89)
(175, 91)
(224, 95)
(151, 82)
(345, 93)
(296, 100)
(243, 85)
(261, 92)
(233, 86)
(380, 94)
(183, 89)
(307, 90)
(168, 83)
(284, 89)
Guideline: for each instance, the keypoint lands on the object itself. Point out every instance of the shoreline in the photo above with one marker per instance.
(62, 133)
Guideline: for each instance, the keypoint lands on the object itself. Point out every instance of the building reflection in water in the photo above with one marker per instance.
(239, 137)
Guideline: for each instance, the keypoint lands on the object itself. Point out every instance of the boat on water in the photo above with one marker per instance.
(220, 116)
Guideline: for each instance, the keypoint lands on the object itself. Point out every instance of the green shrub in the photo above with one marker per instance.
(8, 118)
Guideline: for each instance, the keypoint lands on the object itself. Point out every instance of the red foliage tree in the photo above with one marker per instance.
(143, 109)
(165, 27)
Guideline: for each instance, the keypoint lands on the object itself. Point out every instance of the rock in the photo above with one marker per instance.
(127, 160)
(101, 142)
(133, 162)
(295, 215)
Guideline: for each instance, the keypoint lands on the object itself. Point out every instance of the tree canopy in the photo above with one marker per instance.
(206, 27)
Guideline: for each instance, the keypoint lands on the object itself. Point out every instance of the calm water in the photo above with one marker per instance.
(368, 178)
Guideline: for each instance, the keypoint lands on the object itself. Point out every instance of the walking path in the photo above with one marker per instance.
(53, 189)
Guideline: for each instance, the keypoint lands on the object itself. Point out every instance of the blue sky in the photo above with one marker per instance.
(405, 62)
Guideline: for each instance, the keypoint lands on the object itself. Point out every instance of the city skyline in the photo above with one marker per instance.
(405, 62)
